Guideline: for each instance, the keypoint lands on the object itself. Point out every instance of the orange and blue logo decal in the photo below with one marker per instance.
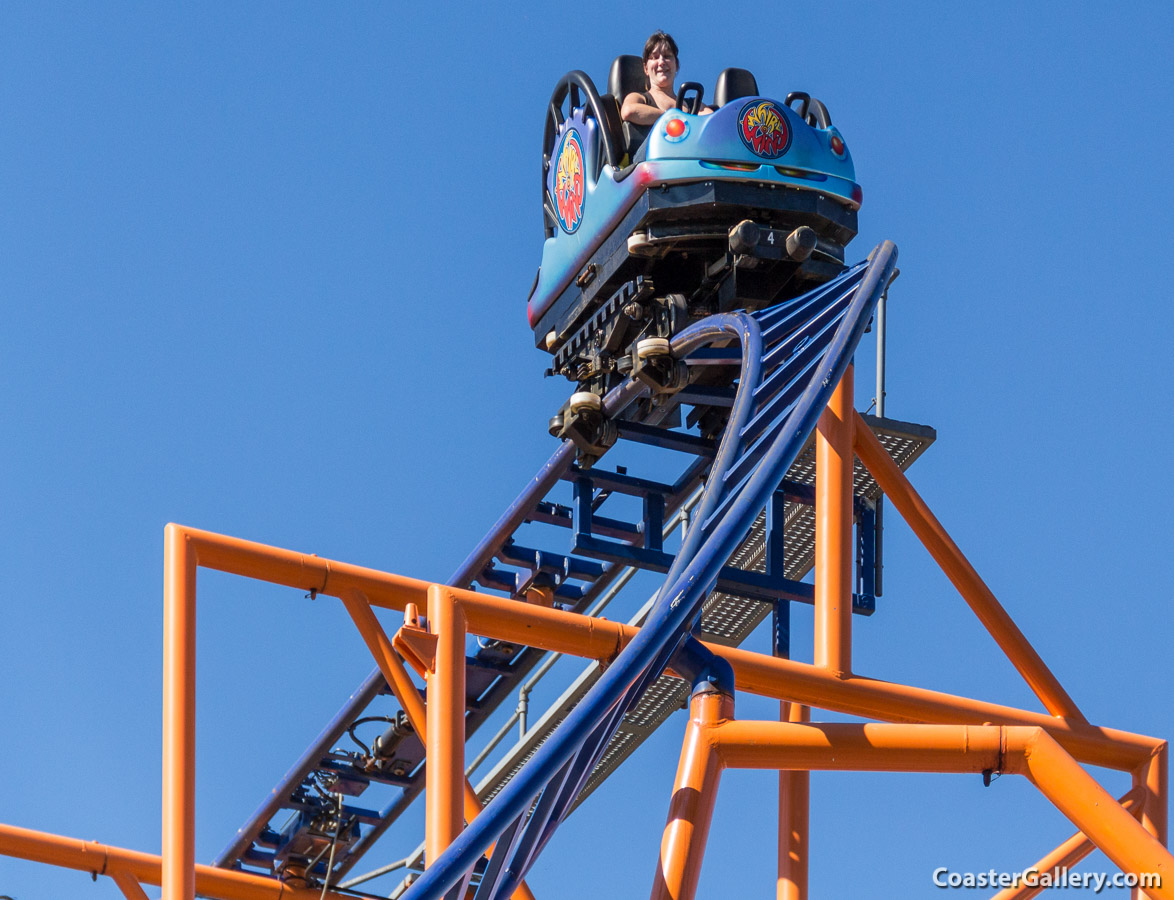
(568, 181)
(762, 126)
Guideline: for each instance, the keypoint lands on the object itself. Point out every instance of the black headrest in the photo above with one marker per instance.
(732, 84)
(610, 107)
(626, 77)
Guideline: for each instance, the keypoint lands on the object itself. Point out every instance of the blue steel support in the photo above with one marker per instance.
(654, 521)
(866, 552)
(583, 508)
(776, 517)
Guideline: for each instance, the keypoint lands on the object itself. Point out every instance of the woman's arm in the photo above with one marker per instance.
(638, 111)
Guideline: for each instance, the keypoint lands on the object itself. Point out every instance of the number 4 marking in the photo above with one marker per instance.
(770, 237)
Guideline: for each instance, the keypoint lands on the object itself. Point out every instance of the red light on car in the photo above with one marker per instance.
(837, 145)
(857, 194)
(674, 127)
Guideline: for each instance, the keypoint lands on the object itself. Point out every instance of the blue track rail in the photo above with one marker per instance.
(793, 355)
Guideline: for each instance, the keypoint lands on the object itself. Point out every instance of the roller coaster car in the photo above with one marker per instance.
(650, 228)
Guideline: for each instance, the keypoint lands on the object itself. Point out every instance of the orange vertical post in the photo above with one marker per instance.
(1152, 779)
(794, 819)
(1154, 776)
(179, 717)
(833, 530)
(682, 847)
(444, 778)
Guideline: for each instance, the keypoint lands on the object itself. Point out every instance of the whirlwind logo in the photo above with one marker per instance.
(763, 129)
(568, 182)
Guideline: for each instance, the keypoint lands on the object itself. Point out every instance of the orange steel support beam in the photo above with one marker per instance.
(1038, 746)
(404, 689)
(578, 635)
(179, 717)
(1067, 855)
(833, 530)
(682, 846)
(1154, 777)
(445, 745)
(146, 868)
(957, 748)
(962, 574)
(526, 623)
(873, 747)
(786, 679)
(794, 819)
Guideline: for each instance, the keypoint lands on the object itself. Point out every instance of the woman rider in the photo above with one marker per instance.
(660, 69)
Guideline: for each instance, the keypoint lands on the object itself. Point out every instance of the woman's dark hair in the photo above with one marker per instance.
(660, 39)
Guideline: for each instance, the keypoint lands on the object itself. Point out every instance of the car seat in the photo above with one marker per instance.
(732, 84)
(627, 77)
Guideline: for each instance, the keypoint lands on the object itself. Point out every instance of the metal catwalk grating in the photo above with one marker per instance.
(645, 713)
(726, 619)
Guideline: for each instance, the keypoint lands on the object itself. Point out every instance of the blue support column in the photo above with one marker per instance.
(866, 552)
(582, 510)
(654, 521)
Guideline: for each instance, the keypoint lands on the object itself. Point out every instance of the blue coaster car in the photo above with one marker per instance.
(648, 229)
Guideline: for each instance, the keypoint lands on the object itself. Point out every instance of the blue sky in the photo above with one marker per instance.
(263, 270)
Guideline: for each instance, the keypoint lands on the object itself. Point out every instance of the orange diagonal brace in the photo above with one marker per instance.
(962, 574)
(1092, 809)
(1067, 855)
(128, 884)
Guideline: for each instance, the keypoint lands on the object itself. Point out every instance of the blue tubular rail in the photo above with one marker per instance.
(786, 379)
